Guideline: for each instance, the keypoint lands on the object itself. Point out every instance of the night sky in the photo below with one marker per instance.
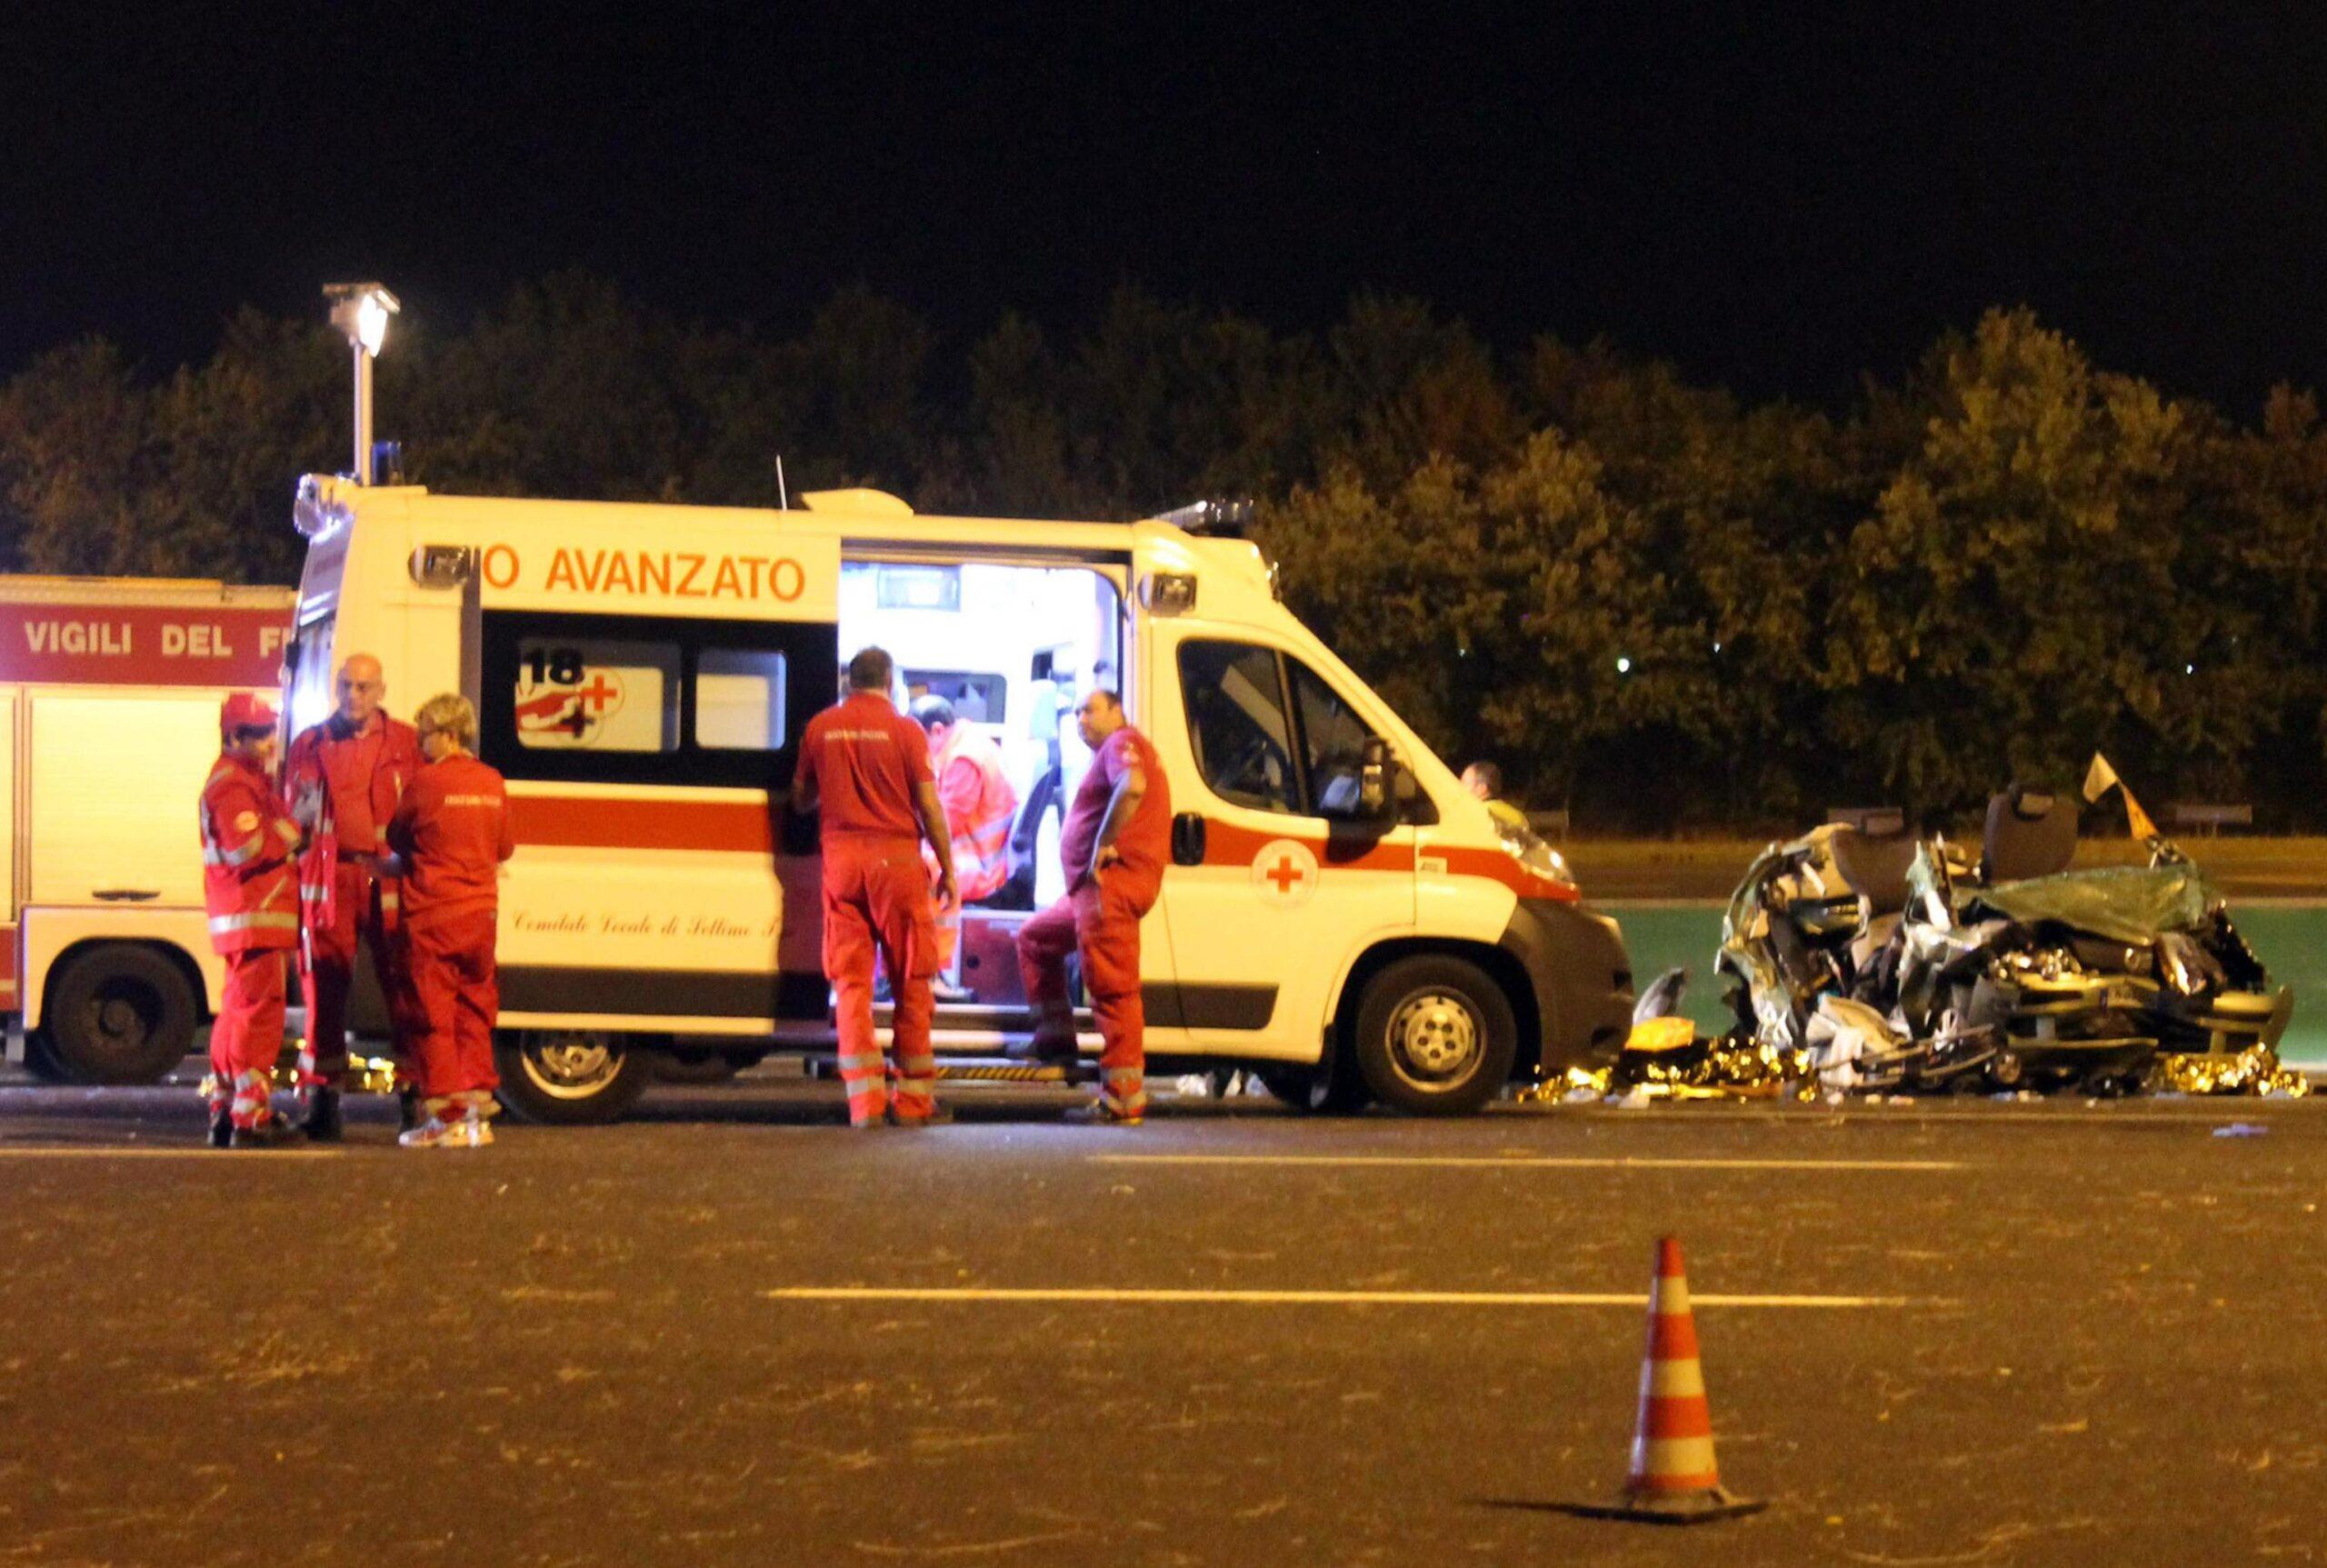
(1776, 202)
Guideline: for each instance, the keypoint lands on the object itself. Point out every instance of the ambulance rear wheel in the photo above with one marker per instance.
(1435, 1036)
(569, 1077)
(119, 1013)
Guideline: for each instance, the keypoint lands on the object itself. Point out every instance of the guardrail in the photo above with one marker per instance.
(1882, 821)
(2212, 819)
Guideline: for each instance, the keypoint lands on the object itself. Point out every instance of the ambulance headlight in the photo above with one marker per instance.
(1168, 593)
(1545, 861)
(1530, 850)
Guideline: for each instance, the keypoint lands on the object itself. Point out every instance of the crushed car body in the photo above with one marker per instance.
(1891, 964)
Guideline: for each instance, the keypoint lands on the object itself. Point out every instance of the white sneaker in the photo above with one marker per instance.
(462, 1133)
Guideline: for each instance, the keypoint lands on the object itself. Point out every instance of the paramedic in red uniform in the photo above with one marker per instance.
(864, 769)
(248, 839)
(345, 777)
(979, 804)
(1113, 846)
(449, 837)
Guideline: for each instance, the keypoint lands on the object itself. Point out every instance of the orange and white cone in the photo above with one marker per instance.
(1673, 1479)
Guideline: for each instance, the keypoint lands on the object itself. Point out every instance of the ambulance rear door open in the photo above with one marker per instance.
(937, 609)
(1276, 884)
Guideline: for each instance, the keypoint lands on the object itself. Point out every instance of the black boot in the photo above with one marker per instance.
(222, 1129)
(408, 1111)
(271, 1133)
(322, 1124)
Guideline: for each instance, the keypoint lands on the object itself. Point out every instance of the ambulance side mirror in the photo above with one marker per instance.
(1378, 782)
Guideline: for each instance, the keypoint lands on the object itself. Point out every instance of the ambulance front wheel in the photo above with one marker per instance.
(569, 1077)
(1435, 1036)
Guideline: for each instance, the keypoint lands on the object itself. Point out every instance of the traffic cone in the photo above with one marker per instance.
(1672, 1478)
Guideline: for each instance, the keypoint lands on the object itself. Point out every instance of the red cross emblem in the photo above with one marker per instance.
(1284, 872)
(577, 712)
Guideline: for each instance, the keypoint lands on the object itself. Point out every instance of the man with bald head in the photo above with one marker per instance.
(344, 778)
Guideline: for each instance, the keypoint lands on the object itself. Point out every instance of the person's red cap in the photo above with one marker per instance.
(243, 710)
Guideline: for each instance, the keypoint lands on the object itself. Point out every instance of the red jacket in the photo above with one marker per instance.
(452, 832)
(867, 761)
(362, 774)
(247, 842)
(344, 785)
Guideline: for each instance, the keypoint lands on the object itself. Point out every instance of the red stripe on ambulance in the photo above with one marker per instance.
(598, 822)
(1226, 843)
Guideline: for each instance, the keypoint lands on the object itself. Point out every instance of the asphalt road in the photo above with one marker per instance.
(2040, 1334)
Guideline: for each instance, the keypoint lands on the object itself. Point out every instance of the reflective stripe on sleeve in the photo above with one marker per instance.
(258, 919)
(211, 855)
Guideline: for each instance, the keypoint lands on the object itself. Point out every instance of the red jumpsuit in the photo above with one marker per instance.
(1100, 917)
(867, 761)
(452, 831)
(252, 897)
(979, 804)
(345, 784)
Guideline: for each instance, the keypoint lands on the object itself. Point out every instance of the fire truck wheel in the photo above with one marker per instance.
(1435, 1036)
(569, 1077)
(120, 1013)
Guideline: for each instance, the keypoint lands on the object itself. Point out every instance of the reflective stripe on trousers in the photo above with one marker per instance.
(914, 1083)
(1123, 1091)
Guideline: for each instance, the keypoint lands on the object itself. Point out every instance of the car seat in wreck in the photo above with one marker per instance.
(2031, 833)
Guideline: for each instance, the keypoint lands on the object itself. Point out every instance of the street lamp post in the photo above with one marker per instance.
(361, 310)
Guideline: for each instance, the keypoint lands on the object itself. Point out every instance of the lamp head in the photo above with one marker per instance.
(361, 310)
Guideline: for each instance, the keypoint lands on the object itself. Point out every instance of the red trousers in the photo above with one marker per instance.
(247, 1035)
(876, 904)
(1100, 919)
(454, 995)
(329, 974)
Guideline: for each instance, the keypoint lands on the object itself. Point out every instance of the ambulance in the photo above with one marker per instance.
(109, 696)
(1339, 916)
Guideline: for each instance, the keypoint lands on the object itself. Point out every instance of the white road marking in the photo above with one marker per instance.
(1306, 1298)
(113, 1152)
(1531, 1161)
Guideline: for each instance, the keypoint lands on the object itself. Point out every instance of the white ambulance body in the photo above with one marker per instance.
(1339, 914)
(109, 696)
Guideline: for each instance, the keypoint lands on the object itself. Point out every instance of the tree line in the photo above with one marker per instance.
(1653, 603)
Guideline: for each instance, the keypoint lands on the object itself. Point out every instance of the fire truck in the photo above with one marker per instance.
(109, 695)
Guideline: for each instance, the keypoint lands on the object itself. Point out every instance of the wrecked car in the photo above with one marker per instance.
(1888, 962)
